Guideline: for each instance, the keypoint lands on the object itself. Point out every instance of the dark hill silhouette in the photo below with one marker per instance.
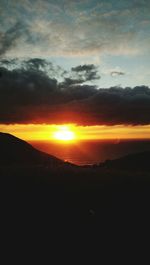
(138, 161)
(112, 197)
(14, 151)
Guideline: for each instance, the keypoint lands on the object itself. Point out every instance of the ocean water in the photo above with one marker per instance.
(92, 152)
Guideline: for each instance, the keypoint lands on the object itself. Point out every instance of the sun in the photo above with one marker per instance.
(65, 134)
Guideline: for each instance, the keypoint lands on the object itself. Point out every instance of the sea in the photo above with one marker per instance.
(92, 152)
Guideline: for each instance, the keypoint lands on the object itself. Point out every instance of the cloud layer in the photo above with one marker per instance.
(32, 92)
(73, 28)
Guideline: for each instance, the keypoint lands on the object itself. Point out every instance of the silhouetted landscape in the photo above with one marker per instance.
(41, 192)
(88, 152)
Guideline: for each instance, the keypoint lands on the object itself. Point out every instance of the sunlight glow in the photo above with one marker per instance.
(72, 133)
(64, 133)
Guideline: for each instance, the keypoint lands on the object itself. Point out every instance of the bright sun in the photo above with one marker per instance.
(64, 133)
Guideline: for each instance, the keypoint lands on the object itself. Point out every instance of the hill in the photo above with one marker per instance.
(138, 161)
(42, 195)
(14, 151)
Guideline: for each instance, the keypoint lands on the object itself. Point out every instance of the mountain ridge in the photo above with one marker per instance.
(140, 160)
(17, 151)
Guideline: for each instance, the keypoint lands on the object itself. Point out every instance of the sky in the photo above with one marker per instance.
(45, 132)
(84, 62)
(114, 35)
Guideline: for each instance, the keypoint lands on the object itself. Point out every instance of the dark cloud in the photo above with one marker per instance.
(115, 73)
(85, 67)
(9, 37)
(31, 86)
(88, 72)
(81, 74)
(36, 64)
(114, 106)
(70, 81)
(29, 93)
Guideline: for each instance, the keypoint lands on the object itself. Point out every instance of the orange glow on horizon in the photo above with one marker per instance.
(64, 133)
(71, 133)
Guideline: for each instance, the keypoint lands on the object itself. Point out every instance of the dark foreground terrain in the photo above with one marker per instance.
(45, 200)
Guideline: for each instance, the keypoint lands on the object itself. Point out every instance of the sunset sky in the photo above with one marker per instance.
(84, 63)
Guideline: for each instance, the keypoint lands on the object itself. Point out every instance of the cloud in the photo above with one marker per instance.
(34, 82)
(88, 72)
(30, 93)
(85, 67)
(116, 73)
(114, 106)
(72, 28)
(81, 74)
(8, 39)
